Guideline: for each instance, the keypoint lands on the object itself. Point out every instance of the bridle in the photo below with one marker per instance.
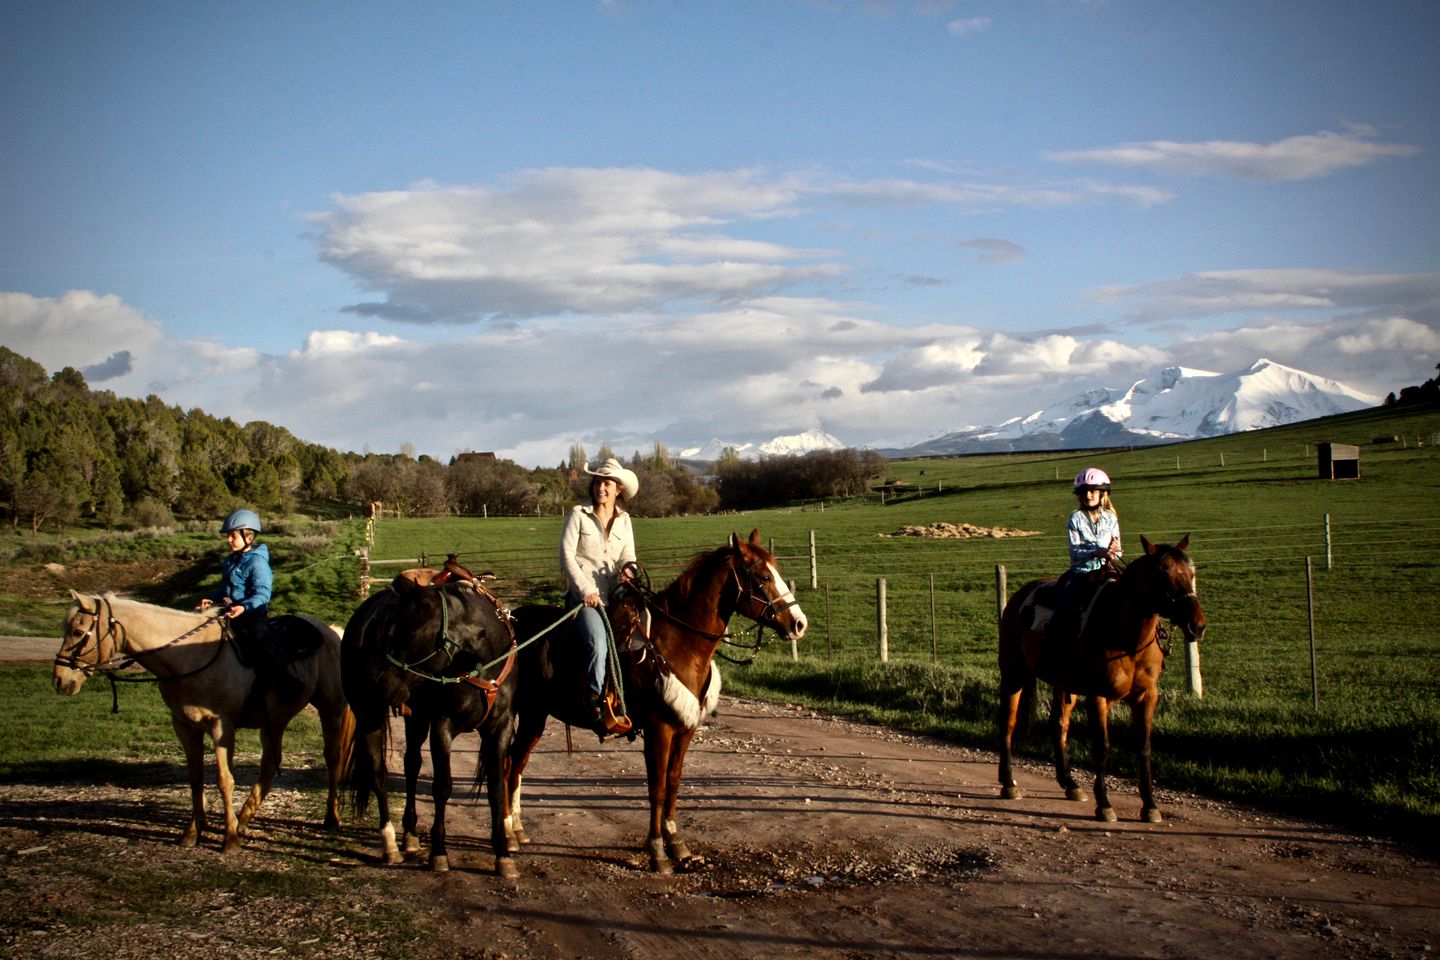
(70, 654)
(748, 580)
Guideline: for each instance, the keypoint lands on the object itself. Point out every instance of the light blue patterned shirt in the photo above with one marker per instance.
(1087, 537)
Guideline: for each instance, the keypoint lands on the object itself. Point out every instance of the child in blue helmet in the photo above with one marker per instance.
(244, 599)
(1094, 534)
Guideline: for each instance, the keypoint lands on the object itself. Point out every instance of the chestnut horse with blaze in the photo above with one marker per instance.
(1117, 658)
(670, 679)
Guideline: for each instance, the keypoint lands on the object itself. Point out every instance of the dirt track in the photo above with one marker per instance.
(819, 837)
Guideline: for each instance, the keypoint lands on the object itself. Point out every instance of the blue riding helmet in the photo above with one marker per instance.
(241, 520)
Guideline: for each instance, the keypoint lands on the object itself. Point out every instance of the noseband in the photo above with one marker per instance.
(752, 591)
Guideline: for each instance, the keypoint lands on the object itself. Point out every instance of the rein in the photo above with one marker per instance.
(121, 660)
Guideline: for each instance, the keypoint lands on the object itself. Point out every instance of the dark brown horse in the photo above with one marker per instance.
(442, 655)
(1117, 658)
(670, 679)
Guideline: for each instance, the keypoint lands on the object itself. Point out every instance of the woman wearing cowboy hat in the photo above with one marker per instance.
(595, 548)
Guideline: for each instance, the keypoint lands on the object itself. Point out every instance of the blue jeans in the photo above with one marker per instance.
(590, 627)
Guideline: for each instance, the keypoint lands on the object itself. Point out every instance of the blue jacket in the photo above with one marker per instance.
(246, 578)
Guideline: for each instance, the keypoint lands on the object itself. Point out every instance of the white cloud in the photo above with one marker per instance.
(603, 241)
(1217, 293)
(967, 26)
(1376, 355)
(994, 250)
(1293, 158)
(745, 371)
(78, 329)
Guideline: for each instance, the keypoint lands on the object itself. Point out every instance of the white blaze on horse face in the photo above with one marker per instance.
(787, 600)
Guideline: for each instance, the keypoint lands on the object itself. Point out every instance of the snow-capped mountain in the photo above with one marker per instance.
(813, 439)
(1177, 403)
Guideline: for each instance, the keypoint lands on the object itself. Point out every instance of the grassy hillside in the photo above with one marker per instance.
(1253, 507)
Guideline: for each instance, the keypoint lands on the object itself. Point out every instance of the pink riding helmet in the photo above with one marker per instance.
(1092, 478)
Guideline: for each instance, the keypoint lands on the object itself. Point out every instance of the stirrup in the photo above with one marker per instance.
(614, 725)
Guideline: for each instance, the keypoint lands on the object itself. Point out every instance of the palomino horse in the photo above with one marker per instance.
(427, 651)
(1117, 659)
(670, 683)
(205, 685)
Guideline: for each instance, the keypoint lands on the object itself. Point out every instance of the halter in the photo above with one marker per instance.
(120, 660)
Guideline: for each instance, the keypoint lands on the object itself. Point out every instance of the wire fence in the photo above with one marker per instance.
(1369, 603)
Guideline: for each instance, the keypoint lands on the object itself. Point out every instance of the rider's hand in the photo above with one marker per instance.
(206, 602)
(234, 611)
(592, 600)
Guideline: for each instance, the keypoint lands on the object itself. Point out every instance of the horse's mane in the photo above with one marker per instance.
(700, 566)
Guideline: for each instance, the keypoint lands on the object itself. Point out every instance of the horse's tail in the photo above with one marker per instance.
(346, 743)
(360, 762)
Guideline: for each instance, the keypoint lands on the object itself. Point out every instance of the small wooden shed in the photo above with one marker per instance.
(1339, 461)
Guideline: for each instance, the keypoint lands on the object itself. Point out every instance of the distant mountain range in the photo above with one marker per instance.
(1177, 403)
(778, 447)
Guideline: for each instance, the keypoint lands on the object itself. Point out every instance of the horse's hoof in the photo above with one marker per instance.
(521, 836)
(440, 864)
(231, 845)
(412, 844)
(1010, 792)
(1105, 814)
(678, 851)
(1074, 793)
(1151, 815)
(332, 823)
(506, 869)
(189, 840)
(663, 867)
(392, 858)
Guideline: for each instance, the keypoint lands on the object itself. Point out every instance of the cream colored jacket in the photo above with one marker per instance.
(590, 560)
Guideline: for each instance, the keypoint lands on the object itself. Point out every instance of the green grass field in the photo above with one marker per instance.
(1255, 511)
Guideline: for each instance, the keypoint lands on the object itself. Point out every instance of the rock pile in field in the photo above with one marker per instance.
(958, 531)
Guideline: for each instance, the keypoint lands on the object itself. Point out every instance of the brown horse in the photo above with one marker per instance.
(670, 681)
(1117, 658)
(204, 683)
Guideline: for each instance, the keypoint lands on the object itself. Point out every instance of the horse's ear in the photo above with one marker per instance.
(1183, 544)
(755, 537)
(78, 599)
(734, 541)
(1149, 547)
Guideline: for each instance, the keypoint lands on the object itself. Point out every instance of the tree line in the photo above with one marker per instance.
(69, 455)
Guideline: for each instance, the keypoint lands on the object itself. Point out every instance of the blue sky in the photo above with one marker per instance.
(512, 227)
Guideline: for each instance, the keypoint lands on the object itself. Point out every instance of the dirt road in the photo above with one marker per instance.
(819, 837)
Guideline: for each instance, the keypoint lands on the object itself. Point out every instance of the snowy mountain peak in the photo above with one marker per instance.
(813, 439)
(1175, 403)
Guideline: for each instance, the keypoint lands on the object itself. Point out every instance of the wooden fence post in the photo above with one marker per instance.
(1000, 591)
(829, 645)
(814, 566)
(881, 628)
(1310, 605)
(794, 644)
(1329, 556)
(934, 627)
(1194, 685)
(364, 554)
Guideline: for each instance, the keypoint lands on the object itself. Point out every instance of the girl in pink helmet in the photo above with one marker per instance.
(1094, 531)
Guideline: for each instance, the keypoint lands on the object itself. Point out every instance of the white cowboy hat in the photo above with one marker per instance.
(612, 470)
